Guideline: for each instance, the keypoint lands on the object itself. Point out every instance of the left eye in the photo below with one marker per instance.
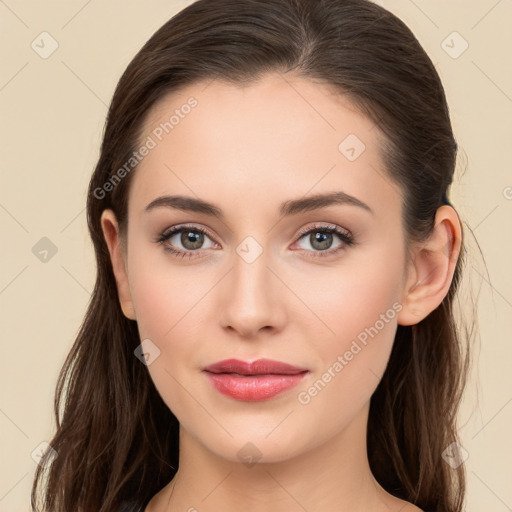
(320, 238)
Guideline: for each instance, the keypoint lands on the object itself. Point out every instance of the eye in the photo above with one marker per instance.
(321, 237)
(191, 239)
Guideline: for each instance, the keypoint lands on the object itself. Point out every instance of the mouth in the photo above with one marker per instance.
(260, 380)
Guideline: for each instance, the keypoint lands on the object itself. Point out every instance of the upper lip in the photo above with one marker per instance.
(258, 367)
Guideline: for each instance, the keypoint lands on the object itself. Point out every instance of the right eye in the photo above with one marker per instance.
(191, 239)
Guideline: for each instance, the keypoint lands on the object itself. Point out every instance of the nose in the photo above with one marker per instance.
(252, 298)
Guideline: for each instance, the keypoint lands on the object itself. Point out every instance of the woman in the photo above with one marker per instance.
(271, 326)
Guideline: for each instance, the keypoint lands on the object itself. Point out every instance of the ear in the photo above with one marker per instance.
(431, 268)
(117, 250)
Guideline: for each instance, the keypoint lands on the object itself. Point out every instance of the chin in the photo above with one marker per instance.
(255, 445)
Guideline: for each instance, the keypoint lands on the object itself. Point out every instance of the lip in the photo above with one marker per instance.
(260, 380)
(258, 367)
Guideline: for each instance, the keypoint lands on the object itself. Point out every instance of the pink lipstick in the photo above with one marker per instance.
(251, 382)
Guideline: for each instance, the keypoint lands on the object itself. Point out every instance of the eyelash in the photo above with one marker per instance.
(345, 236)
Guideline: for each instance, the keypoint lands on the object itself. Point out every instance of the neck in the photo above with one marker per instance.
(334, 476)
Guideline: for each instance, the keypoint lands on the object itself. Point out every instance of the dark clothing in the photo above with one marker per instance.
(129, 506)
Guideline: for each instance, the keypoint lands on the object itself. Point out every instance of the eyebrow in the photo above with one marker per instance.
(288, 208)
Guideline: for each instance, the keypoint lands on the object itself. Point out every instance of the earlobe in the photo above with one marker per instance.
(431, 268)
(110, 228)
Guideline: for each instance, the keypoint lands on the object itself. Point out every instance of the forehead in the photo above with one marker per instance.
(277, 138)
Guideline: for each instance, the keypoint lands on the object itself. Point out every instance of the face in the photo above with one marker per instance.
(270, 276)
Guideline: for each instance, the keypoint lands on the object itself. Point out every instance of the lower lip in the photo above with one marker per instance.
(253, 388)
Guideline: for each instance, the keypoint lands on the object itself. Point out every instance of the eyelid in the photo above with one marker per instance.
(323, 226)
(181, 227)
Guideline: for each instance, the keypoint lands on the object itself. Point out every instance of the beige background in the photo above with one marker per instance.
(52, 113)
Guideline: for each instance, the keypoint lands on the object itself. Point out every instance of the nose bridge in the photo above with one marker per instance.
(251, 279)
(252, 299)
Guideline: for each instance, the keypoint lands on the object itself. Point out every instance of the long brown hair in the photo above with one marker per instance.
(116, 440)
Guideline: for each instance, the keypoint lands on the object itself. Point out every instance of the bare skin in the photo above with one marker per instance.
(248, 150)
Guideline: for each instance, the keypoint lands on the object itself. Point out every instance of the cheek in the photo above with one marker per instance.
(167, 302)
(352, 362)
(359, 312)
(165, 315)
(164, 295)
(351, 299)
